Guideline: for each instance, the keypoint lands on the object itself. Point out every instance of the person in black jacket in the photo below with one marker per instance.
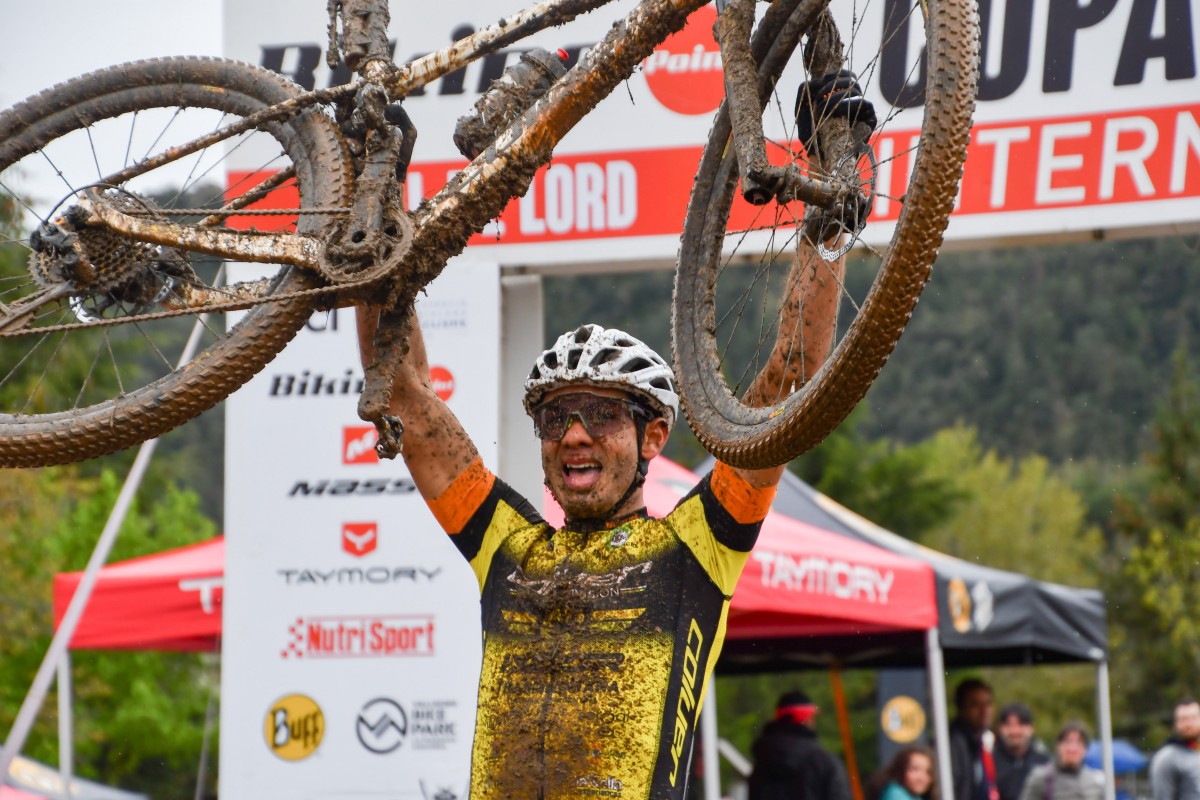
(971, 764)
(789, 762)
(1018, 750)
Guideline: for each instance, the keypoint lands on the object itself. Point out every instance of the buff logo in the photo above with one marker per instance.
(684, 711)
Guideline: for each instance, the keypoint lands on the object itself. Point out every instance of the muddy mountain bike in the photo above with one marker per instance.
(107, 276)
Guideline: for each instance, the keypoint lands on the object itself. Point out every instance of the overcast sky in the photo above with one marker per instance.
(46, 41)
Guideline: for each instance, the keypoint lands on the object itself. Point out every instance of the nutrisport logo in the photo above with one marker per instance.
(685, 72)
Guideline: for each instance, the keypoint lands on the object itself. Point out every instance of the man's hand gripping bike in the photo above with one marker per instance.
(105, 281)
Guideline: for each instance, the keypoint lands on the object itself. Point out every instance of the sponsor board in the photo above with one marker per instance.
(1075, 110)
(306, 579)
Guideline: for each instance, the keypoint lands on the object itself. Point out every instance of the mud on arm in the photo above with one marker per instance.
(436, 447)
(807, 324)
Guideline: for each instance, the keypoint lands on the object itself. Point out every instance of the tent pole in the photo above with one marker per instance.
(937, 701)
(209, 714)
(843, 716)
(708, 743)
(15, 741)
(66, 733)
(1105, 725)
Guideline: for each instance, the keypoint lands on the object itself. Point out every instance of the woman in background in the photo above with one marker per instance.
(909, 775)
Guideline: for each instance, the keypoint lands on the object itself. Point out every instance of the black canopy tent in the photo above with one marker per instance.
(986, 617)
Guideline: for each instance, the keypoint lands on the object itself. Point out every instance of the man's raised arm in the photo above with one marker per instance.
(436, 447)
(807, 324)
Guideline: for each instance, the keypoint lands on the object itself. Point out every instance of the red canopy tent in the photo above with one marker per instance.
(168, 601)
(800, 581)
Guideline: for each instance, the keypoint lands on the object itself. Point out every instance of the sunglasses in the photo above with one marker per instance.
(600, 415)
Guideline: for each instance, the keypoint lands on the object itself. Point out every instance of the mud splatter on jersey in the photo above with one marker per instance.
(597, 646)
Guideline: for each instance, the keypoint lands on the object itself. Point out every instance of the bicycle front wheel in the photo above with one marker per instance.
(731, 271)
(92, 325)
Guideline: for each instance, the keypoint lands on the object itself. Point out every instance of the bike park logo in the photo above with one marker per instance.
(360, 538)
(685, 73)
(361, 636)
(294, 727)
(383, 725)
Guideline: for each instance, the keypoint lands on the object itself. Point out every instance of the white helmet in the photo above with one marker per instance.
(604, 357)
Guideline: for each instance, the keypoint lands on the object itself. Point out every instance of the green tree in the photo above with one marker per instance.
(888, 483)
(1159, 586)
(139, 716)
(1020, 515)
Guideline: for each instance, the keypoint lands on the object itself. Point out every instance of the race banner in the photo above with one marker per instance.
(351, 643)
(1087, 122)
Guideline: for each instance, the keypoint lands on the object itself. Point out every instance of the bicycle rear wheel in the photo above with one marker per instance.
(90, 344)
(730, 271)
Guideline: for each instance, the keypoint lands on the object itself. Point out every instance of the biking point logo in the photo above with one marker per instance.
(685, 73)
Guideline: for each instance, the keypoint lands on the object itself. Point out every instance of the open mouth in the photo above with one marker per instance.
(581, 476)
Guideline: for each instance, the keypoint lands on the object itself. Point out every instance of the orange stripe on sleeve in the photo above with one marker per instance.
(744, 503)
(463, 497)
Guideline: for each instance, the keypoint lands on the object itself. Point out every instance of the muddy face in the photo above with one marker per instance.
(587, 475)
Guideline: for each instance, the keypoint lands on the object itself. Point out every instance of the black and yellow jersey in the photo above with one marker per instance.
(597, 646)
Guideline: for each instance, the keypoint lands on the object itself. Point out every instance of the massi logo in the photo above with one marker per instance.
(294, 727)
(358, 444)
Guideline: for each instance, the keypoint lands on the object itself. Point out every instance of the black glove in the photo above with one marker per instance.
(833, 95)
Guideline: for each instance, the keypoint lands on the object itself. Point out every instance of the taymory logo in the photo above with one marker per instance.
(685, 72)
(360, 538)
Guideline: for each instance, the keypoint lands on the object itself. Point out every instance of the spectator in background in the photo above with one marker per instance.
(1175, 769)
(1067, 778)
(1017, 750)
(908, 776)
(789, 762)
(970, 761)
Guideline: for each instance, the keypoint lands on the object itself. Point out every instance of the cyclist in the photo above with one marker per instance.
(600, 637)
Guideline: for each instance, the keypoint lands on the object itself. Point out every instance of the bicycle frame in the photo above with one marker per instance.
(513, 151)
